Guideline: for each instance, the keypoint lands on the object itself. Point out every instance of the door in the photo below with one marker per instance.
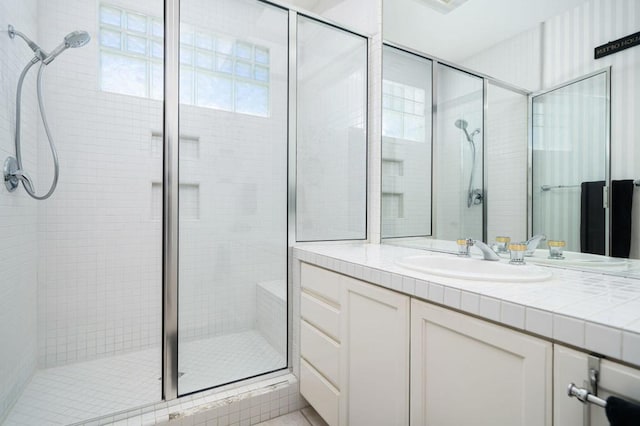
(233, 192)
(375, 356)
(571, 366)
(466, 371)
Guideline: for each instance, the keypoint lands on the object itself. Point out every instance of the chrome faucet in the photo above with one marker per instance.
(532, 244)
(487, 252)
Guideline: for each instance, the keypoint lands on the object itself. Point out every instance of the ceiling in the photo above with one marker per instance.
(471, 28)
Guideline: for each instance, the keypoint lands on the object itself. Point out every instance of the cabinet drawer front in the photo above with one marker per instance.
(321, 282)
(322, 396)
(320, 314)
(320, 351)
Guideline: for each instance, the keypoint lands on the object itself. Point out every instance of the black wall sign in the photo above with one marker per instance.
(617, 45)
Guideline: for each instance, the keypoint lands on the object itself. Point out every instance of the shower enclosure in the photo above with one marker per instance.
(158, 267)
(457, 134)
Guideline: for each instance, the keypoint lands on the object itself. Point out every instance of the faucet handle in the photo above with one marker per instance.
(463, 246)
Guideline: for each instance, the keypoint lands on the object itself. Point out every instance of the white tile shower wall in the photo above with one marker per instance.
(99, 256)
(506, 163)
(271, 308)
(18, 212)
(566, 53)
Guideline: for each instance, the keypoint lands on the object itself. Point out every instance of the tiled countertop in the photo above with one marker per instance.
(595, 312)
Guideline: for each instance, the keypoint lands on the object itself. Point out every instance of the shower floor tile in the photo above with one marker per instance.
(224, 359)
(79, 392)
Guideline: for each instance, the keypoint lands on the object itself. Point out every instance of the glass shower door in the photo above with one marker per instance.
(233, 192)
(458, 152)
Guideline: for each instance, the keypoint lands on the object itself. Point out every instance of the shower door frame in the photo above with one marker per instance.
(607, 157)
(170, 200)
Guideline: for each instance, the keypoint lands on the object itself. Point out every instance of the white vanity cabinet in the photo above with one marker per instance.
(354, 348)
(571, 366)
(465, 371)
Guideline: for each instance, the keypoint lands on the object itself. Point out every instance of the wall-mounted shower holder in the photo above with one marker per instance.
(11, 180)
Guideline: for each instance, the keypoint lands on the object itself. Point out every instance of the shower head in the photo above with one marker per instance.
(36, 49)
(461, 124)
(72, 40)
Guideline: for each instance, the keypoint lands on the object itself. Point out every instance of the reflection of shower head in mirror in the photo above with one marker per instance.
(462, 125)
(473, 196)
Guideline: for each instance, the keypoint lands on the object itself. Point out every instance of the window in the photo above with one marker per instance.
(215, 71)
(403, 111)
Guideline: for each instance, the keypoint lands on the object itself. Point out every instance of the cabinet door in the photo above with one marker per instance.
(465, 371)
(374, 369)
(571, 366)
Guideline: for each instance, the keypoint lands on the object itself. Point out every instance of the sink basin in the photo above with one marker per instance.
(587, 260)
(474, 269)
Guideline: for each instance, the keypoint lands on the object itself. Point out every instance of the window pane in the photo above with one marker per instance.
(204, 41)
(414, 128)
(158, 29)
(204, 60)
(110, 16)
(261, 73)
(186, 37)
(224, 46)
(243, 69)
(215, 92)
(157, 81)
(137, 23)
(137, 44)
(186, 85)
(121, 74)
(158, 50)
(224, 64)
(186, 55)
(110, 38)
(262, 55)
(244, 50)
(252, 99)
(392, 124)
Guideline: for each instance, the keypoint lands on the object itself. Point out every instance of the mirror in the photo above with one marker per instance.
(523, 145)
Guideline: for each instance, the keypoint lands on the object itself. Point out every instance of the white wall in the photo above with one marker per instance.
(18, 212)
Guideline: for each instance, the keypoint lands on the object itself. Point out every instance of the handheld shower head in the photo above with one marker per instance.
(461, 124)
(72, 40)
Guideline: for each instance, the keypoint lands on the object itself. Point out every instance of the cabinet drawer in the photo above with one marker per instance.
(321, 315)
(321, 282)
(322, 396)
(320, 351)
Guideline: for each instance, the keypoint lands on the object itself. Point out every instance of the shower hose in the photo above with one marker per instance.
(27, 185)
